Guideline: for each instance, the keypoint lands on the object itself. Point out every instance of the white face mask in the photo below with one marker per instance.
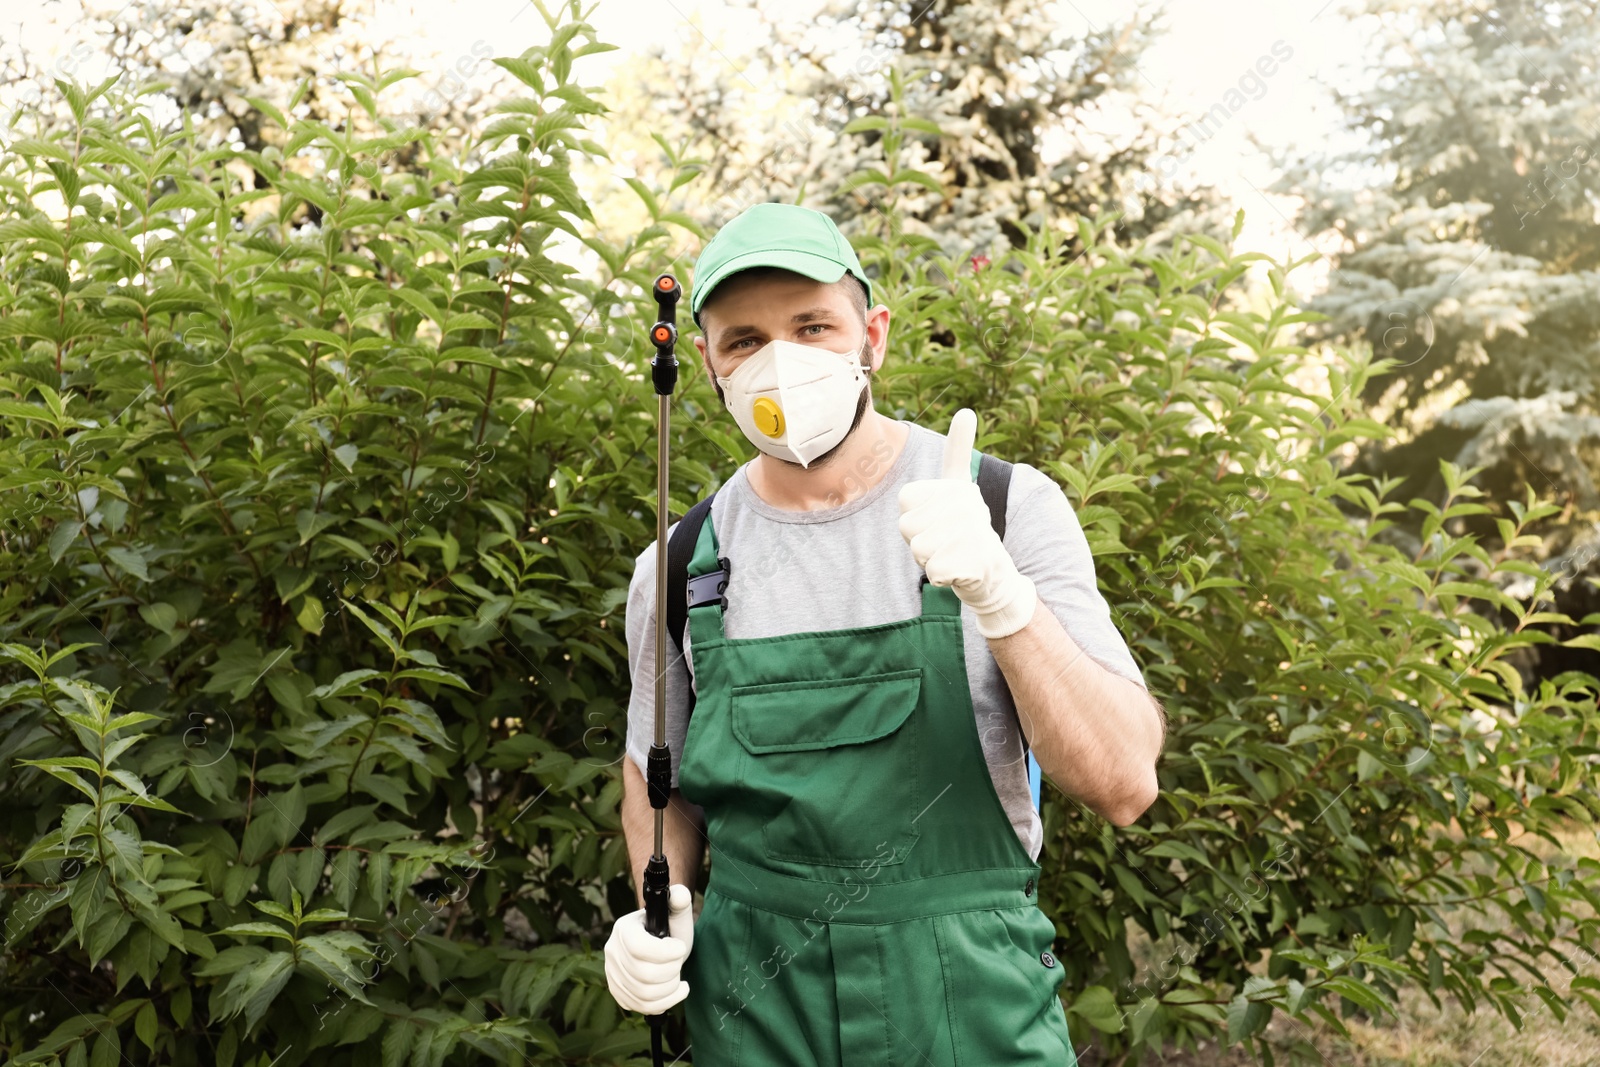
(795, 401)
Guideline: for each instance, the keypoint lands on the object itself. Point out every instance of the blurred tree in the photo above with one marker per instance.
(1012, 116)
(1473, 262)
(220, 61)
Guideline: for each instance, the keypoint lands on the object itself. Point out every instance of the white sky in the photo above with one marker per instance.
(1207, 49)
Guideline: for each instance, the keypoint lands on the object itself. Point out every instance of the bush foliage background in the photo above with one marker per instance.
(324, 468)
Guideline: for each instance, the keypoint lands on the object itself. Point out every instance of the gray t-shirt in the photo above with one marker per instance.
(847, 566)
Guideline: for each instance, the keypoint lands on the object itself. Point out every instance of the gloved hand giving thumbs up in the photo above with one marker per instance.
(946, 524)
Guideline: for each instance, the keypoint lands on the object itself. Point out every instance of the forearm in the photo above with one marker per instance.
(682, 831)
(1095, 734)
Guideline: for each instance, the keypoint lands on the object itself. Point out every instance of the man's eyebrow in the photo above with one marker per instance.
(734, 333)
(799, 318)
(821, 311)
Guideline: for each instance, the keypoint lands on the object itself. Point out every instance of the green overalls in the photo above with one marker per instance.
(869, 901)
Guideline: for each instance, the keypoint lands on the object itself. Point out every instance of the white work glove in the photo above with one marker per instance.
(641, 969)
(946, 524)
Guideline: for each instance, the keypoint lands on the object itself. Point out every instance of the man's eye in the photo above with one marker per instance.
(816, 326)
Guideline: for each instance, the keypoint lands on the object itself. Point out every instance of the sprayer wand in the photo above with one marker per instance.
(658, 770)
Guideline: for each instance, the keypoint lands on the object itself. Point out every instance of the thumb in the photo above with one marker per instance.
(679, 898)
(681, 918)
(958, 445)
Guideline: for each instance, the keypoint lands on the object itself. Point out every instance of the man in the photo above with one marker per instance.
(855, 758)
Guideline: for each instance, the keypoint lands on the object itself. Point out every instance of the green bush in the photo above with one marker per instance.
(324, 473)
(325, 469)
(1354, 761)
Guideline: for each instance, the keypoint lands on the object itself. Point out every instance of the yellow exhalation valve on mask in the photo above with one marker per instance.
(768, 416)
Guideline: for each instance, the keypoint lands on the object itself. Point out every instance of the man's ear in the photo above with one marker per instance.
(705, 361)
(705, 357)
(878, 334)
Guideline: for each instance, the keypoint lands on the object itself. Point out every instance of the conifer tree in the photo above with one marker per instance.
(1474, 262)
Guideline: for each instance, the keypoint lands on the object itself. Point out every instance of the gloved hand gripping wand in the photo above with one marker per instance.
(658, 768)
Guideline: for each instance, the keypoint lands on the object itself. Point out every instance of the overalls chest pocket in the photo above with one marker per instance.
(834, 767)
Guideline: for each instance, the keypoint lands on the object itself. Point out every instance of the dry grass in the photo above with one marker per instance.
(1425, 1036)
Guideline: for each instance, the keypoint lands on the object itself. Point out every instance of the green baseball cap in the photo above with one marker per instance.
(775, 235)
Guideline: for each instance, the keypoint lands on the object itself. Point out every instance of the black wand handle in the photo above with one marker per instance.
(664, 335)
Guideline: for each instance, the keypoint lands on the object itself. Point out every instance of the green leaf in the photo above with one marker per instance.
(160, 615)
(258, 929)
(345, 820)
(347, 683)
(916, 177)
(107, 1049)
(324, 915)
(431, 674)
(145, 1025)
(524, 71)
(263, 983)
(276, 910)
(866, 123)
(237, 883)
(129, 560)
(345, 877)
(66, 776)
(290, 690)
(310, 523)
(389, 790)
(311, 615)
(336, 960)
(397, 1043)
(1355, 990)
(1246, 1018)
(289, 810)
(323, 337)
(62, 538)
(1097, 1006)
(1307, 732)
(1178, 850)
(267, 109)
(1297, 997)
(105, 933)
(384, 633)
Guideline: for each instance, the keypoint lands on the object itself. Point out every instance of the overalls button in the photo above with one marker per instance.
(1027, 890)
(1047, 959)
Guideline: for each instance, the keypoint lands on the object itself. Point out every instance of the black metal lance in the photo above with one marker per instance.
(658, 768)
